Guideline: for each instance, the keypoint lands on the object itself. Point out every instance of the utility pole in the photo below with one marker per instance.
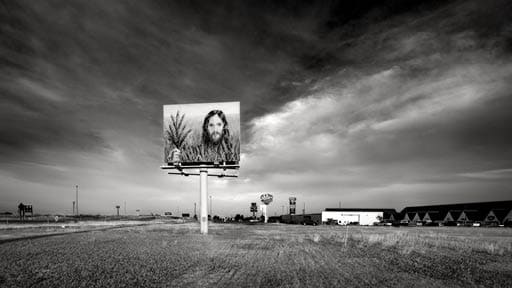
(211, 206)
(195, 213)
(73, 207)
(124, 208)
(77, 213)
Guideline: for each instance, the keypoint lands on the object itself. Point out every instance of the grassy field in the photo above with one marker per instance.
(273, 255)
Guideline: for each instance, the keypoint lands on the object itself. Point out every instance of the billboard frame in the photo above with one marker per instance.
(229, 111)
(180, 167)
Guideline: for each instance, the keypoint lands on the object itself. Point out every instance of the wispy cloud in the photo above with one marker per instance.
(490, 174)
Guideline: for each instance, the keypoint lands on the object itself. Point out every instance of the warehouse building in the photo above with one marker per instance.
(301, 218)
(357, 216)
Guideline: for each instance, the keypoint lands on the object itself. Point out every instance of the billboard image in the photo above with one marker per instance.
(203, 133)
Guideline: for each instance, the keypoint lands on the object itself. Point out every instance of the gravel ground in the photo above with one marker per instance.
(274, 255)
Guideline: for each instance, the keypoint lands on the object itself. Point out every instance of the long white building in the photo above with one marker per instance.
(345, 216)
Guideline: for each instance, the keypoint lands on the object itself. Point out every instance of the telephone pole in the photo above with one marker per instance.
(211, 208)
(77, 201)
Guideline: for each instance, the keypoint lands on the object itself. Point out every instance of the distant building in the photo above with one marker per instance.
(486, 213)
(360, 216)
(433, 217)
(496, 217)
(300, 218)
(478, 213)
(451, 216)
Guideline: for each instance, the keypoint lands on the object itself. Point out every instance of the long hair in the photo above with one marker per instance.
(225, 130)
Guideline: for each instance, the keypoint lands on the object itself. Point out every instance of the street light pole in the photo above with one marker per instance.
(77, 201)
(203, 172)
(211, 206)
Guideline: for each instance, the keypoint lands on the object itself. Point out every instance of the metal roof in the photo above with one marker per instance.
(360, 210)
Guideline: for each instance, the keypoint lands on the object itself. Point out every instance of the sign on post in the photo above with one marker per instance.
(202, 136)
(254, 209)
(292, 205)
(206, 133)
(266, 199)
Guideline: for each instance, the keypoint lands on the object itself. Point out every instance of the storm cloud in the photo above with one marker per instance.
(370, 104)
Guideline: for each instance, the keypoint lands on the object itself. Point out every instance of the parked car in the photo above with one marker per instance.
(331, 222)
(383, 223)
(404, 223)
(309, 222)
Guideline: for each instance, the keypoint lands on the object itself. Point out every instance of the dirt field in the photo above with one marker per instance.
(273, 255)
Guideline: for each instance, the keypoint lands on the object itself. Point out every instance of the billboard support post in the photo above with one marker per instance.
(202, 139)
(204, 199)
(203, 185)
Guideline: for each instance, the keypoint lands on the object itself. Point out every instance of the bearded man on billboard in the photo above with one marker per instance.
(216, 142)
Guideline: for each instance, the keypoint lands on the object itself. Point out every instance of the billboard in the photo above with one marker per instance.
(205, 133)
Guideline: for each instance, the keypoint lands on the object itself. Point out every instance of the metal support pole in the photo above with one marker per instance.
(264, 210)
(77, 201)
(204, 200)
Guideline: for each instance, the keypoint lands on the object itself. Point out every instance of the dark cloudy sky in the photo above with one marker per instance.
(374, 105)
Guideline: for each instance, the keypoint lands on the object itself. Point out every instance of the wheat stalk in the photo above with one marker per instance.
(178, 132)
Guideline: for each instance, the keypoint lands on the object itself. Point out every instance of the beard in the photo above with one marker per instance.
(216, 137)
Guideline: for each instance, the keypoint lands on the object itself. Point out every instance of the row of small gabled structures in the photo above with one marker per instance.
(484, 213)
